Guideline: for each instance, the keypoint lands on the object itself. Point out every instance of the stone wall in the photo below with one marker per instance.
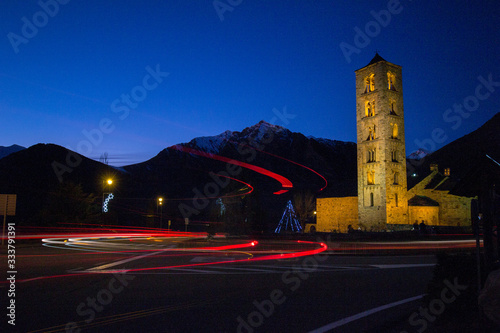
(428, 214)
(335, 214)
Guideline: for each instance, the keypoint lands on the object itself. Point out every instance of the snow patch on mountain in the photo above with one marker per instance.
(418, 154)
(211, 144)
(262, 129)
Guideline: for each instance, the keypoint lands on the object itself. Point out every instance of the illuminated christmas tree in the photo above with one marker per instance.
(222, 210)
(289, 221)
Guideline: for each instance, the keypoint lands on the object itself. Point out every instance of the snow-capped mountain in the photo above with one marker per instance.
(4, 151)
(256, 134)
(259, 136)
(210, 144)
(306, 161)
(418, 154)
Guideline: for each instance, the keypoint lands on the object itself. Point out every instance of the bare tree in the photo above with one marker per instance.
(104, 158)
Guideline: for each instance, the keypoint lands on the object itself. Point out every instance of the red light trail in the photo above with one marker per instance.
(99, 243)
(285, 182)
(301, 165)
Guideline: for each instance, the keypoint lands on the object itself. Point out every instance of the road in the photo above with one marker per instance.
(157, 284)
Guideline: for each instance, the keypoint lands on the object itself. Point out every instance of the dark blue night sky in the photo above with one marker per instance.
(100, 67)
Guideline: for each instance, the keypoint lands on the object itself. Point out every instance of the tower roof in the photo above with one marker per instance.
(376, 58)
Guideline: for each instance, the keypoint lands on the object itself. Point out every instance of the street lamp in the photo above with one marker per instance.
(106, 196)
(160, 203)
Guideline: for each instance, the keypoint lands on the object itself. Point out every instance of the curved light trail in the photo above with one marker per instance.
(221, 252)
(296, 163)
(285, 182)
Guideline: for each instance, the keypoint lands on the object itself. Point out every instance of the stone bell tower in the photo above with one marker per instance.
(381, 145)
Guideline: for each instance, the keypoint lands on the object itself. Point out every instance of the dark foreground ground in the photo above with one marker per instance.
(194, 291)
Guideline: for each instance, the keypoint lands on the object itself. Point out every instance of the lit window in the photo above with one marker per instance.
(369, 109)
(394, 131)
(370, 83)
(391, 79)
(371, 178)
(371, 133)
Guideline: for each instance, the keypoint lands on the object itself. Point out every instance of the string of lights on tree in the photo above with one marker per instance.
(289, 220)
(222, 207)
(106, 202)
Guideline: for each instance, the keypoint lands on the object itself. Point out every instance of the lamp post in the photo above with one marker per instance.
(160, 204)
(105, 200)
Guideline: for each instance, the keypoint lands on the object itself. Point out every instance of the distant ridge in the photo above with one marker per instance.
(5, 151)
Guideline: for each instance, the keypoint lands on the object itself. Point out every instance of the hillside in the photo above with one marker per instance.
(4, 151)
(462, 154)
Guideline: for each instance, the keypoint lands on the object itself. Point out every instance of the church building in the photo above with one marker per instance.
(384, 201)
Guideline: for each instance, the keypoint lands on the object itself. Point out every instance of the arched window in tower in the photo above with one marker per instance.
(371, 133)
(370, 83)
(372, 202)
(394, 131)
(393, 108)
(391, 80)
(396, 200)
(371, 155)
(370, 178)
(394, 155)
(368, 109)
(396, 178)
